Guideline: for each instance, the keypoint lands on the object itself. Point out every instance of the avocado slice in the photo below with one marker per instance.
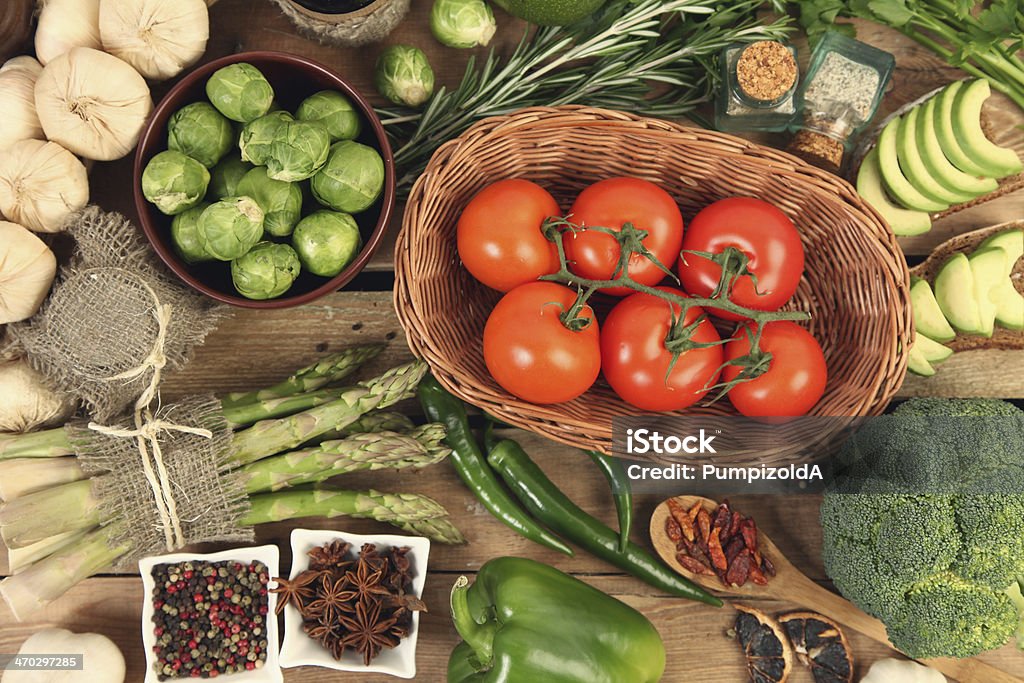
(1011, 241)
(928, 317)
(892, 175)
(988, 267)
(869, 185)
(1009, 302)
(954, 292)
(939, 166)
(914, 168)
(947, 138)
(933, 351)
(918, 364)
(997, 161)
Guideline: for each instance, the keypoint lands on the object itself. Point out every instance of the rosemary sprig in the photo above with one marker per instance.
(651, 57)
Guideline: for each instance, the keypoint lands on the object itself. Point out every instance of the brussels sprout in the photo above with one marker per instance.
(225, 176)
(230, 227)
(200, 131)
(240, 92)
(334, 110)
(299, 150)
(352, 179)
(259, 135)
(185, 235)
(462, 23)
(174, 182)
(281, 202)
(326, 242)
(403, 75)
(266, 272)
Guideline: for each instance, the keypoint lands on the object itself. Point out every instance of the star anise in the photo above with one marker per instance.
(319, 632)
(294, 591)
(332, 600)
(365, 581)
(367, 632)
(330, 556)
(371, 556)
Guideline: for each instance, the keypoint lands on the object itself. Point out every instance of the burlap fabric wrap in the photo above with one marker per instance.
(114, 321)
(188, 495)
(352, 31)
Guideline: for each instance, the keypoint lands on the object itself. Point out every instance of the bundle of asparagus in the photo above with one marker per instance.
(59, 529)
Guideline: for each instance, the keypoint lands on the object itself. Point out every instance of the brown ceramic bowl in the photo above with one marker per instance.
(294, 78)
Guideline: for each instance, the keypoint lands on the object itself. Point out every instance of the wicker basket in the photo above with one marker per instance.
(855, 285)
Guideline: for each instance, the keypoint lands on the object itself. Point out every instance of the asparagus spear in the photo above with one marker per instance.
(275, 436)
(325, 371)
(49, 578)
(39, 515)
(439, 529)
(48, 443)
(22, 476)
(394, 508)
(19, 558)
(244, 414)
(374, 421)
(377, 450)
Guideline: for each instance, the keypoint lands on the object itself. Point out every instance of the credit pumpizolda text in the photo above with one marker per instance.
(646, 442)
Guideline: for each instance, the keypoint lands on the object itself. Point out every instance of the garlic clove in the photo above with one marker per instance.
(160, 38)
(41, 184)
(92, 103)
(65, 24)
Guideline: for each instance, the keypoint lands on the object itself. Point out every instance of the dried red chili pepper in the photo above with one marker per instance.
(682, 518)
(739, 569)
(733, 548)
(672, 530)
(704, 526)
(690, 564)
(718, 560)
(757, 576)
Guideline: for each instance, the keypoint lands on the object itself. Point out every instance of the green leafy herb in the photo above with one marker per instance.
(983, 39)
(652, 57)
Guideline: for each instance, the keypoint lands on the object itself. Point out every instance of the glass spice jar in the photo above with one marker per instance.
(840, 94)
(759, 82)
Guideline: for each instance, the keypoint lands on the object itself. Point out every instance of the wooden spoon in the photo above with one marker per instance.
(791, 585)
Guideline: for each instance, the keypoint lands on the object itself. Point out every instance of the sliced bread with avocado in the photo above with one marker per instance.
(988, 268)
(904, 222)
(997, 161)
(954, 292)
(911, 161)
(1009, 302)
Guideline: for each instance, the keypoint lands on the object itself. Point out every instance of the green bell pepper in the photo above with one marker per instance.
(524, 622)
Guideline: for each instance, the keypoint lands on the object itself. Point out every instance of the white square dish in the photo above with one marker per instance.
(301, 650)
(270, 556)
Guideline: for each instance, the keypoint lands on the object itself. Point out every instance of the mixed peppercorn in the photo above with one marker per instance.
(721, 543)
(209, 618)
(360, 602)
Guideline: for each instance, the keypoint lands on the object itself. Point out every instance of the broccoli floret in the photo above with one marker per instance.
(935, 531)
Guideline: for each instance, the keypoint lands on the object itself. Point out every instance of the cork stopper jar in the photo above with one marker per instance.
(759, 82)
(840, 95)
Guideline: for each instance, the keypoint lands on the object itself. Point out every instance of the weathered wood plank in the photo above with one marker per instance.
(699, 650)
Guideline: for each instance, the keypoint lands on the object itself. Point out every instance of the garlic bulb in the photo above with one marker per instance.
(92, 103)
(41, 184)
(158, 37)
(17, 101)
(26, 402)
(27, 269)
(64, 24)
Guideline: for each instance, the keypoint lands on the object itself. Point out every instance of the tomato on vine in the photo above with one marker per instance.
(532, 353)
(609, 204)
(789, 371)
(756, 243)
(654, 357)
(499, 234)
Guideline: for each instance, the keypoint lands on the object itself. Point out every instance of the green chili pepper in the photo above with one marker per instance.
(526, 622)
(471, 466)
(622, 491)
(549, 505)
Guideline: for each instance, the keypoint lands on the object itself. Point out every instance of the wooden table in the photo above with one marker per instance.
(254, 348)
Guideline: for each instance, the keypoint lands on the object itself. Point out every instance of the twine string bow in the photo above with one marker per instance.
(148, 428)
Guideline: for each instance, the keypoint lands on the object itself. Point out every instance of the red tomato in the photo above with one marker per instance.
(499, 234)
(611, 203)
(762, 232)
(532, 354)
(796, 375)
(635, 361)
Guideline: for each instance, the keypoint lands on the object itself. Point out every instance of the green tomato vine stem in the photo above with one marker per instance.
(679, 339)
